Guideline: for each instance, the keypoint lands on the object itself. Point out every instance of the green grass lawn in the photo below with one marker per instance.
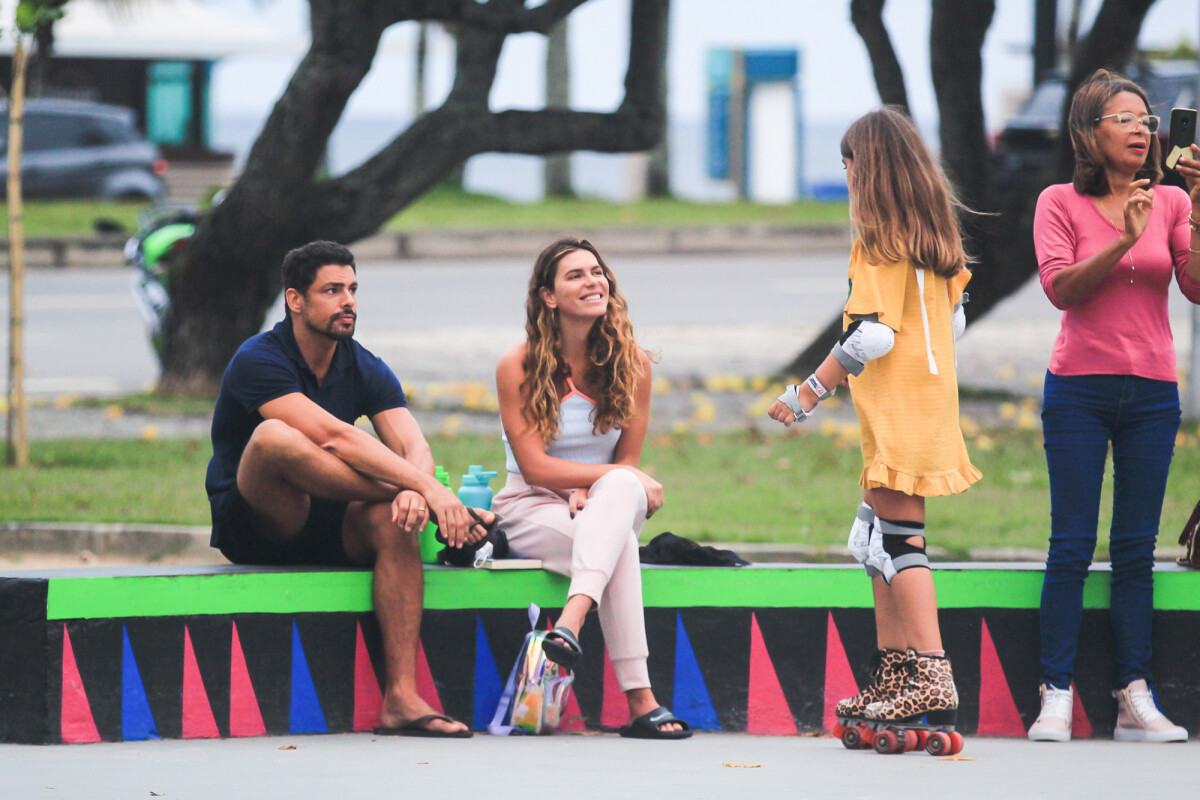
(446, 208)
(728, 487)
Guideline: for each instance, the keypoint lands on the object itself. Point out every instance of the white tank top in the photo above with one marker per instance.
(576, 440)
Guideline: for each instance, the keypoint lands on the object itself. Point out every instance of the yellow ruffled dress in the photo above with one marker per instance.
(907, 400)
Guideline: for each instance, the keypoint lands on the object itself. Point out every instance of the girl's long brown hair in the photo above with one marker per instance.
(901, 203)
(615, 358)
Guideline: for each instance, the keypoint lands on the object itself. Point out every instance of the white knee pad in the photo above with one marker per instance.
(864, 340)
(860, 533)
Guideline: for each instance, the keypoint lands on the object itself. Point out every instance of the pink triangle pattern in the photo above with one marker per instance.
(245, 717)
(368, 699)
(998, 715)
(198, 719)
(572, 717)
(1081, 726)
(767, 710)
(839, 678)
(77, 724)
(614, 712)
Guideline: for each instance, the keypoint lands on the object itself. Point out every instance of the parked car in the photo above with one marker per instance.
(1028, 141)
(74, 148)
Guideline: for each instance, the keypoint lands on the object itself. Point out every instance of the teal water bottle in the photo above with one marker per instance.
(427, 541)
(475, 491)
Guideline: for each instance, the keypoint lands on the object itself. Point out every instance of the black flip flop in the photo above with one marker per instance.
(419, 727)
(561, 647)
(647, 726)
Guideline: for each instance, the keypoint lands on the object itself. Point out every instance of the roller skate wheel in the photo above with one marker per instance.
(939, 744)
(887, 742)
(921, 739)
(956, 742)
(851, 738)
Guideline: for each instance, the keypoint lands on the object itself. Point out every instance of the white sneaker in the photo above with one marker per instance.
(1139, 720)
(1054, 723)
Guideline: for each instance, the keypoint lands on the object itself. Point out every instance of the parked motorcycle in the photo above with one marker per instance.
(164, 230)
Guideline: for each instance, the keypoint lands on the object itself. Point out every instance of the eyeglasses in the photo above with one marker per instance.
(1129, 121)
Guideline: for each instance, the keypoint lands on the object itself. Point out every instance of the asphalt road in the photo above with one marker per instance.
(448, 320)
(589, 766)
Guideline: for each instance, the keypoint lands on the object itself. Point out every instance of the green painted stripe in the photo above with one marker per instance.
(765, 587)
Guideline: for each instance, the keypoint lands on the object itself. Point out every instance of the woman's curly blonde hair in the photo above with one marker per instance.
(616, 362)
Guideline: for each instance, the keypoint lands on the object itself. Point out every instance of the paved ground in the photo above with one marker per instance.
(589, 766)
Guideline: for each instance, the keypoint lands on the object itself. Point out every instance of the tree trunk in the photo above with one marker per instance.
(230, 274)
(658, 167)
(1002, 239)
(867, 17)
(17, 443)
(557, 177)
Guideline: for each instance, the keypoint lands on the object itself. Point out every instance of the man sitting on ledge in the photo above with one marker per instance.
(293, 481)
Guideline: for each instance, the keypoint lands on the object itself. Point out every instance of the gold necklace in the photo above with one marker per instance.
(1119, 230)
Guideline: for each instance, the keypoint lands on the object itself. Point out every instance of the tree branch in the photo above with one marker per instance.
(867, 16)
(356, 204)
(502, 16)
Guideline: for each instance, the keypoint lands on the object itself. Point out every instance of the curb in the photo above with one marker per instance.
(142, 541)
(108, 250)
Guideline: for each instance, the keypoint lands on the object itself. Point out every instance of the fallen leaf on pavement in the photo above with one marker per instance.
(956, 758)
(288, 747)
(740, 764)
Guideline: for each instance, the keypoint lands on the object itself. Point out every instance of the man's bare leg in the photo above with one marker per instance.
(282, 468)
(279, 472)
(398, 592)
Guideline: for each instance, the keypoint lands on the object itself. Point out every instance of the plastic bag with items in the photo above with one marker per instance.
(537, 691)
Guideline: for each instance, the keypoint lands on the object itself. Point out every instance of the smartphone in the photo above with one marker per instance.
(1183, 134)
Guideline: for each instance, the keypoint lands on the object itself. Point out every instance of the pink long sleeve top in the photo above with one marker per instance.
(1121, 327)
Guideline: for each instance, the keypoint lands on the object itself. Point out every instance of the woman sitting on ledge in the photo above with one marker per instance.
(575, 404)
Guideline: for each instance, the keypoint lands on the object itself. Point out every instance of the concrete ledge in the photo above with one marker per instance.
(144, 652)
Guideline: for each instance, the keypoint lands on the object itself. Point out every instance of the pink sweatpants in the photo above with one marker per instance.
(598, 550)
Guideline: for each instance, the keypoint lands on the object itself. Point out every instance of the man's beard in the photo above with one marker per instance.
(334, 329)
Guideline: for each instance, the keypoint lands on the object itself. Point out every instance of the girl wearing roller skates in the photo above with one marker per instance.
(904, 311)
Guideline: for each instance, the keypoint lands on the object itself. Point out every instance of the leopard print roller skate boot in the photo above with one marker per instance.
(888, 677)
(928, 692)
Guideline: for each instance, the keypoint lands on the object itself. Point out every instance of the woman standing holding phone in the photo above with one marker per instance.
(1109, 245)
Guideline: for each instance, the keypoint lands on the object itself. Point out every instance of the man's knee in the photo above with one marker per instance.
(274, 433)
(374, 522)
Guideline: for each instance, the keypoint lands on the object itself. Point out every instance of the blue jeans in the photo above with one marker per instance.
(1081, 414)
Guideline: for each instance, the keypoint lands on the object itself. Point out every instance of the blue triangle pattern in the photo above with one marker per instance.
(691, 700)
(306, 714)
(137, 723)
(488, 687)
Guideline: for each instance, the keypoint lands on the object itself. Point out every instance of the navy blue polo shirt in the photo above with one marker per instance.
(269, 366)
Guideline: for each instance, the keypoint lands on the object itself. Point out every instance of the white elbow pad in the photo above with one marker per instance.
(959, 316)
(863, 341)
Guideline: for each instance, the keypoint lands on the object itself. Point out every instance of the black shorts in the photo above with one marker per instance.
(239, 537)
